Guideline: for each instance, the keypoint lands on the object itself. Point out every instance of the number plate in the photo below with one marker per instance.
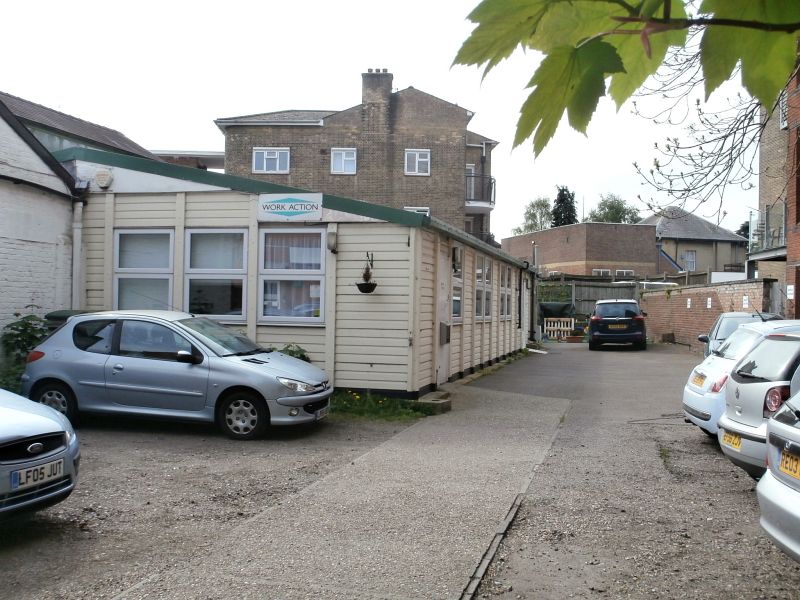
(790, 464)
(732, 440)
(698, 379)
(35, 475)
(618, 326)
(323, 412)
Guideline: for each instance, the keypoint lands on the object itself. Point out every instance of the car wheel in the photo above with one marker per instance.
(641, 345)
(58, 396)
(594, 346)
(243, 416)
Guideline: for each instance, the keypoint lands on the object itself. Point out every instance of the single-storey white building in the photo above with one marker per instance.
(283, 265)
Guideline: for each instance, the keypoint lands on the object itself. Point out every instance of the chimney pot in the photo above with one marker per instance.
(369, 70)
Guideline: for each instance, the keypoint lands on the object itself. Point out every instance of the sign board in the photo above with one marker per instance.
(289, 207)
(688, 303)
(708, 302)
(745, 301)
(790, 292)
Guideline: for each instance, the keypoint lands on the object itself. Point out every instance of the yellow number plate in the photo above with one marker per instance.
(617, 326)
(698, 379)
(732, 440)
(790, 464)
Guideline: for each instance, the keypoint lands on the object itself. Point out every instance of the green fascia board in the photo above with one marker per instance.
(252, 186)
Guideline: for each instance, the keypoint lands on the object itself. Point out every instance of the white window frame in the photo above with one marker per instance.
(316, 275)
(601, 272)
(143, 273)
(345, 160)
(417, 153)
(624, 273)
(277, 152)
(686, 259)
(482, 287)
(190, 273)
(422, 210)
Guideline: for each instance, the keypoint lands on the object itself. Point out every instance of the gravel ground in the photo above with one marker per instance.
(631, 502)
(151, 495)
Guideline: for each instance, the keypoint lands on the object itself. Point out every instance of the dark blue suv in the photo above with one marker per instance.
(617, 322)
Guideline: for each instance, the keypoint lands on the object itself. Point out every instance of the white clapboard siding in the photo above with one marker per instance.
(223, 209)
(152, 210)
(95, 253)
(372, 331)
(310, 339)
(424, 344)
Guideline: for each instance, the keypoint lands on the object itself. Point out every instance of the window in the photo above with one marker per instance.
(505, 292)
(94, 336)
(343, 161)
(457, 308)
(783, 111)
(418, 162)
(690, 260)
(292, 275)
(141, 339)
(483, 287)
(422, 210)
(601, 272)
(215, 265)
(470, 182)
(623, 273)
(143, 269)
(270, 160)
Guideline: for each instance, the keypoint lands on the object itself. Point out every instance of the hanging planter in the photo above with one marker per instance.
(367, 285)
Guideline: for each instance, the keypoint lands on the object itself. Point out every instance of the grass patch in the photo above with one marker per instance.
(370, 406)
(10, 377)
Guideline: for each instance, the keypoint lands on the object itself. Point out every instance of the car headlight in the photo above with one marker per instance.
(69, 434)
(296, 386)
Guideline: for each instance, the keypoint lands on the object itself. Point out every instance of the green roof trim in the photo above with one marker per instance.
(252, 186)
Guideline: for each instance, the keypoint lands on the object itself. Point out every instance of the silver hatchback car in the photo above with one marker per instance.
(173, 365)
(39, 455)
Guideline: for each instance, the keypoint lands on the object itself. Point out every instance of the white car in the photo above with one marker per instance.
(779, 489)
(704, 393)
(759, 385)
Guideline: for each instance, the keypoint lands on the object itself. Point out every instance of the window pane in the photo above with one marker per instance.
(283, 161)
(271, 163)
(215, 296)
(216, 251)
(424, 162)
(457, 291)
(296, 251)
(143, 293)
(258, 160)
(338, 162)
(150, 340)
(479, 303)
(144, 251)
(488, 304)
(94, 336)
(292, 298)
(488, 270)
(411, 162)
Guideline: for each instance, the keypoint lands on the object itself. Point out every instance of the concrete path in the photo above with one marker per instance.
(410, 519)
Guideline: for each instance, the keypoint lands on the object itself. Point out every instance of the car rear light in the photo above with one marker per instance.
(34, 355)
(595, 318)
(774, 399)
(638, 318)
(719, 384)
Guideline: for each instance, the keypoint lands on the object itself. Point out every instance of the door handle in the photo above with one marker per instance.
(117, 368)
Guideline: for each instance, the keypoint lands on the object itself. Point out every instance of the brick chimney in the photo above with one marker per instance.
(375, 97)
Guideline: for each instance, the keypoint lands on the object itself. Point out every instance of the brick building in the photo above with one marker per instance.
(603, 249)
(405, 149)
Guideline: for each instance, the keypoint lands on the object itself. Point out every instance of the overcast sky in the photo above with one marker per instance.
(161, 72)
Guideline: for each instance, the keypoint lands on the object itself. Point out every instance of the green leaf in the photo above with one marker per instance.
(502, 26)
(571, 79)
(570, 23)
(767, 58)
(649, 8)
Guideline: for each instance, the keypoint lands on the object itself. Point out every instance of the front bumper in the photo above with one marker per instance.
(780, 514)
(752, 454)
(309, 408)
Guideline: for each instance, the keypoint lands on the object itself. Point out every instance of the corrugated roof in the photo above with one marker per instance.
(33, 113)
(676, 223)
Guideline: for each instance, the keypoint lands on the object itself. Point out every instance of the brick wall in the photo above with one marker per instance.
(416, 120)
(792, 197)
(680, 315)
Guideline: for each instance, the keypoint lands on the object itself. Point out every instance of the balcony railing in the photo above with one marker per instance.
(768, 228)
(480, 188)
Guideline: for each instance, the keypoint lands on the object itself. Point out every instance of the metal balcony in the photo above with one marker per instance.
(480, 194)
(768, 229)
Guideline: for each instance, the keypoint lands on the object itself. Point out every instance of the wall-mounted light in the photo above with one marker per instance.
(330, 242)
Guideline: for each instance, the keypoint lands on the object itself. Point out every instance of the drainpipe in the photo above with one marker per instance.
(78, 201)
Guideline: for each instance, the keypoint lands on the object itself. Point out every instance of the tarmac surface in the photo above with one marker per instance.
(412, 518)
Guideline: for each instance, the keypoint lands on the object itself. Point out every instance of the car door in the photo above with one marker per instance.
(93, 341)
(144, 371)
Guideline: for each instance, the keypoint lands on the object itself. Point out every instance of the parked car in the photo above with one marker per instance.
(617, 322)
(726, 324)
(39, 455)
(759, 385)
(173, 365)
(779, 489)
(704, 392)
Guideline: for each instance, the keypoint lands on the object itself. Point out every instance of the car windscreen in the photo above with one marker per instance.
(616, 309)
(774, 359)
(221, 340)
(739, 342)
(730, 324)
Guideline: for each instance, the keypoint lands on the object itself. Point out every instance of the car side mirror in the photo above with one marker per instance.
(702, 338)
(644, 314)
(189, 358)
